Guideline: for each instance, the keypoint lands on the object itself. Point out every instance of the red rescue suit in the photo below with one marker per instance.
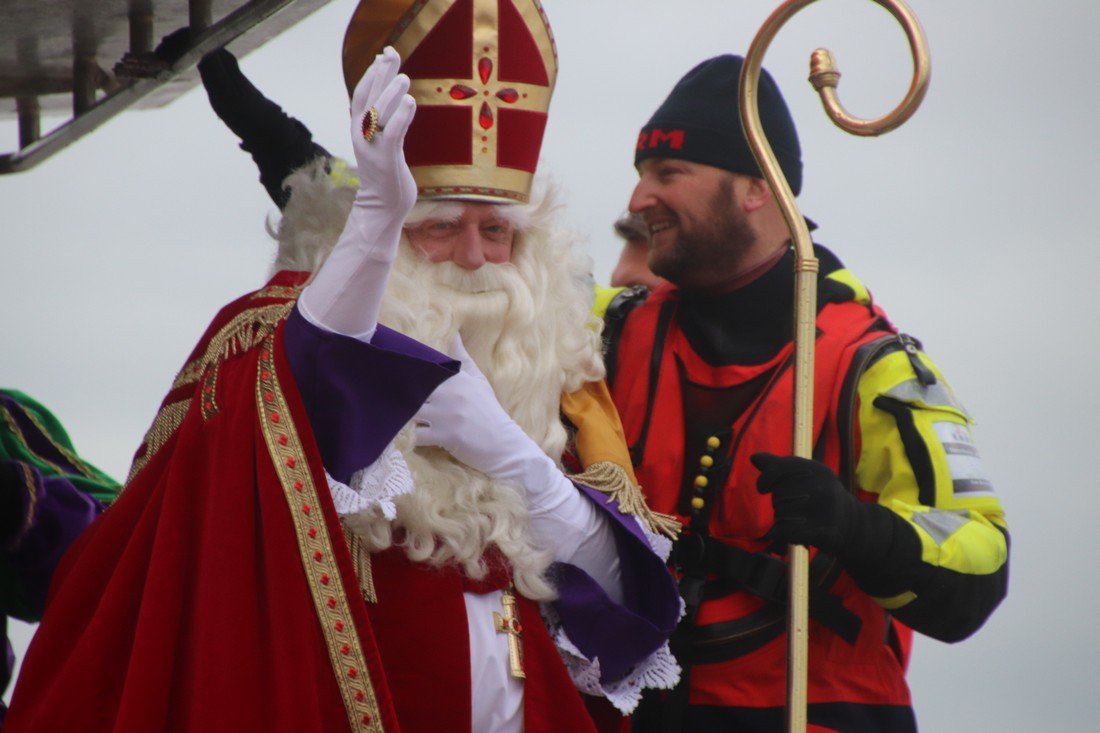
(864, 669)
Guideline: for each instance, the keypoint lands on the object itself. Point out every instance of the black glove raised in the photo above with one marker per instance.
(278, 143)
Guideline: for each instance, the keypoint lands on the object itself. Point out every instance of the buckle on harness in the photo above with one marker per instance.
(689, 552)
(689, 555)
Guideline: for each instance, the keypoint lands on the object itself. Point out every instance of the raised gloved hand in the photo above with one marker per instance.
(464, 418)
(279, 144)
(346, 295)
(385, 182)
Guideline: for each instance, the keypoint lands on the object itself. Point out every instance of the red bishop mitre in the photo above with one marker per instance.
(482, 75)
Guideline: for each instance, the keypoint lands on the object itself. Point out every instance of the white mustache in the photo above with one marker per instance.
(488, 278)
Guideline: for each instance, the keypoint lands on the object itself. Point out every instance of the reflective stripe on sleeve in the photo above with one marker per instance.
(963, 460)
(933, 395)
(961, 540)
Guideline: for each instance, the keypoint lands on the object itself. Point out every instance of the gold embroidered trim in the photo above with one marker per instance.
(430, 191)
(277, 291)
(164, 425)
(18, 433)
(246, 330)
(610, 478)
(28, 518)
(209, 395)
(316, 547)
(361, 557)
(71, 457)
(189, 374)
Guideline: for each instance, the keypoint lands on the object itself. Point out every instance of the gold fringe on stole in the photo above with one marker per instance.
(599, 435)
(601, 447)
(609, 478)
(278, 291)
(167, 421)
(361, 559)
(248, 329)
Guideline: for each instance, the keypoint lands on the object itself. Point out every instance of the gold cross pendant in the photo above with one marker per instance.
(508, 623)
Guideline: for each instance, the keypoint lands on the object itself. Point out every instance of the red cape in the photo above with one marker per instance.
(217, 593)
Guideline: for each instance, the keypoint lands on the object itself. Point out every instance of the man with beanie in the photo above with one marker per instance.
(904, 529)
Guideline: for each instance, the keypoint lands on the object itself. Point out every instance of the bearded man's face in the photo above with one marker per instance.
(697, 232)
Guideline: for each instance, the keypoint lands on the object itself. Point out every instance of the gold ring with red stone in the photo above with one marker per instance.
(370, 124)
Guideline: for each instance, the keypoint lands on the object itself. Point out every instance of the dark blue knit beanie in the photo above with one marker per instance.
(701, 122)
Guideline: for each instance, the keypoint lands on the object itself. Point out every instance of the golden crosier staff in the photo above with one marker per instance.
(824, 77)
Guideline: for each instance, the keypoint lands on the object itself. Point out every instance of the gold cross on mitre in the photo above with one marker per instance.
(482, 74)
(508, 623)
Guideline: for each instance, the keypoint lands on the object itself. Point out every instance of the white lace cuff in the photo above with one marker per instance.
(377, 485)
(659, 670)
(661, 545)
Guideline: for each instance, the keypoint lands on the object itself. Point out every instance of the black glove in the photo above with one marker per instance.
(279, 144)
(878, 548)
(811, 506)
(174, 45)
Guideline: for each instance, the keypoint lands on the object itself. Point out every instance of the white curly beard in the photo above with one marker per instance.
(528, 326)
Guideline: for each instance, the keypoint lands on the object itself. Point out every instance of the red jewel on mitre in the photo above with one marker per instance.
(482, 75)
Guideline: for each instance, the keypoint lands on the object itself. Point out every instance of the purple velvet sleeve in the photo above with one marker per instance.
(54, 512)
(46, 501)
(619, 635)
(358, 395)
(51, 513)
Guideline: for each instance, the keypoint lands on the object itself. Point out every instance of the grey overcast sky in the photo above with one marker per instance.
(972, 225)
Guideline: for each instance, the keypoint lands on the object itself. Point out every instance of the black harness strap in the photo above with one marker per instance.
(915, 448)
(765, 576)
(865, 355)
(614, 319)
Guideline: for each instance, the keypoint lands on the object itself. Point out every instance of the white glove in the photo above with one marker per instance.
(346, 294)
(464, 417)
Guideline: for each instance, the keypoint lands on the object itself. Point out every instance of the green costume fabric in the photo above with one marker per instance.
(48, 495)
